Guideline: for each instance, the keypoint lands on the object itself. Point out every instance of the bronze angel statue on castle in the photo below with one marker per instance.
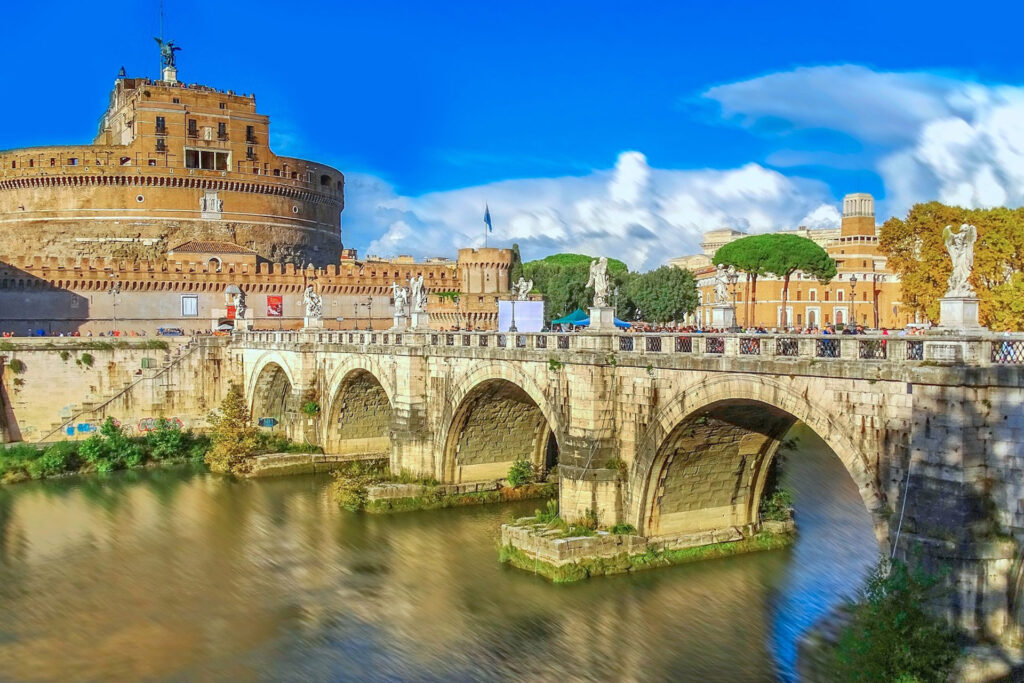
(167, 51)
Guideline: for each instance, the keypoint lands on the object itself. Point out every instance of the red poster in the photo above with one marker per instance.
(275, 306)
(231, 312)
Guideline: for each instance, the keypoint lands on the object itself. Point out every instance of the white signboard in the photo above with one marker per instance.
(529, 315)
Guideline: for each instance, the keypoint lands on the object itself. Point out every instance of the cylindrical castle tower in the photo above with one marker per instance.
(171, 163)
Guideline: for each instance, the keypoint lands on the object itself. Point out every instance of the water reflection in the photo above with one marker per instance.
(177, 575)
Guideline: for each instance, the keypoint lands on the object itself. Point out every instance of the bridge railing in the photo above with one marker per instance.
(972, 349)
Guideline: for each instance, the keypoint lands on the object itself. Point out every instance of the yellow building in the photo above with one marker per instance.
(864, 290)
(171, 163)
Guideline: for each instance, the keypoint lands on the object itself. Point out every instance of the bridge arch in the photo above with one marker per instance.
(271, 390)
(494, 415)
(359, 410)
(704, 460)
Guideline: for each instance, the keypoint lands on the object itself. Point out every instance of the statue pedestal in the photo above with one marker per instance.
(170, 74)
(313, 323)
(241, 324)
(420, 320)
(401, 323)
(602, 319)
(723, 317)
(959, 314)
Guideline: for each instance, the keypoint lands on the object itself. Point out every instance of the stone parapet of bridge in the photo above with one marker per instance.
(675, 433)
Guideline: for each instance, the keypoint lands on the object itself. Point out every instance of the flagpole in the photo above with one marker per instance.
(487, 228)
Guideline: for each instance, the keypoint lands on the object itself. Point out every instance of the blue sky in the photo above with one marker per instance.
(611, 127)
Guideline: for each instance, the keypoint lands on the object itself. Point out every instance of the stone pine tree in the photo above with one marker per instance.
(234, 438)
(790, 253)
(749, 255)
(663, 294)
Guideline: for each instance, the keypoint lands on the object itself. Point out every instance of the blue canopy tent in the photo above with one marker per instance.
(573, 318)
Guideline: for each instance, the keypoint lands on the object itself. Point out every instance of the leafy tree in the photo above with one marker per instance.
(790, 253)
(749, 255)
(562, 278)
(663, 294)
(234, 438)
(891, 637)
(917, 253)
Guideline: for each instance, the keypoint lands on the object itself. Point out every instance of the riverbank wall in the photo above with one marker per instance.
(54, 389)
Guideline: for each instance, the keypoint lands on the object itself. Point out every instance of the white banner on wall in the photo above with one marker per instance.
(529, 315)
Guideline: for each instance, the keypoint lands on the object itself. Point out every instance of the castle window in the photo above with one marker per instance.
(193, 128)
(839, 295)
(826, 295)
(125, 161)
(277, 172)
(325, 180)
(189, 306)
(249, 154)
(175, 100)
(53, 162)
(73, 161)
(250, 134)
(152, 162)
(340, 186)
(14, 164)
(161, 125)
(161, 145)
(222, 131)
(31, 163)
(813, 295)
(221, 105)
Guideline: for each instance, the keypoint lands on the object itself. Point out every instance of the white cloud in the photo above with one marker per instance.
(634, 212)
(937, 137)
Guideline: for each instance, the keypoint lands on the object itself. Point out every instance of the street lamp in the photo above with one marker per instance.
(732, 275)
(512, 327)
(369, 313)
(853, 298)
(876, 280)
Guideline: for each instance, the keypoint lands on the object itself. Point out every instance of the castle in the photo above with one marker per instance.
(177, 206)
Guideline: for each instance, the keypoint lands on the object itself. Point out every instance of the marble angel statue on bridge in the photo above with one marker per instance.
(314, 303)
(419, 296)
(599, 281)
(523, 288)
(401, 296)
(960, 246)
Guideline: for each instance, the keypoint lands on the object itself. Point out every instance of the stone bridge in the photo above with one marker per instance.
(674, 434)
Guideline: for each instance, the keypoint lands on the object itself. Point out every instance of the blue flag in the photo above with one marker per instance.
(487, 218)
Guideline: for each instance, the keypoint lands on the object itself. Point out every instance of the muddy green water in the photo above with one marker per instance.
(174, 575)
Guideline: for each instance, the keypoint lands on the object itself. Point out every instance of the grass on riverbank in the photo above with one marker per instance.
(111, 449)
(623, 562)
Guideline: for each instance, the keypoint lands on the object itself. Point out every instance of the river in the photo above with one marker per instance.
(178, 575)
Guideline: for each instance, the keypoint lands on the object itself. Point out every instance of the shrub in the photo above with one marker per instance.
(891, 637)
(311, 408)
(59, 458)
(65, 356)
(16, 365)
(167, 440)
(87, 360)
(111, 449)
(233, 439)
(623, 529)
(520, 474)
(776, 507)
